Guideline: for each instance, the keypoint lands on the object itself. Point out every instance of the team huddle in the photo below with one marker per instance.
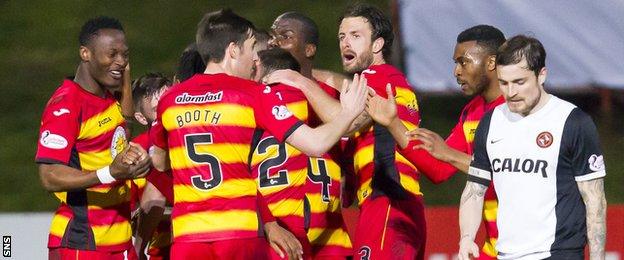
(251, 153)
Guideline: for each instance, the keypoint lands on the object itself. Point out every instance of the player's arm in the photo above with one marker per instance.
(439, 149)
(593, 195)
(127, 108)
(426, 148)
(316, 141)
(281, 240)
(330, 78)
(326, 107)
(151, 211)
(589, 172)
(160, 159)
(470, 207)
(132, 163)
(471, 203)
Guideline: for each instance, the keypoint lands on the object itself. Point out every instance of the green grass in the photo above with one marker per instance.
(39, 48)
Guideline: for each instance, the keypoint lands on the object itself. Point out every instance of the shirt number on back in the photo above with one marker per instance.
(203, 158)
(322, 177)
(265, 166)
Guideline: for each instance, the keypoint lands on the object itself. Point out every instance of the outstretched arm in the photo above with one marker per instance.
(326, 107)
(470, 208)
(593, 195)
(315, 142)
(132, 163)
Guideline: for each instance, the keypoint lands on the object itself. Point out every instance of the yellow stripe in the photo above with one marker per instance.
(490, 209)
(91, 161)
(228, 115)
(226, 153)
(107, 197)
(470, 128)
(61, 196)
(299, 109)
(383, 235)
(110, 119)
(489, 247)
(231, 188)
(105, 235)
(58, 225)
(365, 155)
(287, 207)
(329, 237)
(409, 125)
(215, 221)
(410, 184)
(115, 234)
(140, 182)
(318, 206)
(406, 97)
(364, 191)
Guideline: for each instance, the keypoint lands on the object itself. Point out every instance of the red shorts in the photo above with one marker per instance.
(245, 248)
(390, 230)
(76, 254)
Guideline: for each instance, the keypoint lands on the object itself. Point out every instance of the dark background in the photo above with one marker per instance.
(39, 47)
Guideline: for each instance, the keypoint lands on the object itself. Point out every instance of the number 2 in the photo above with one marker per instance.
(270, 163)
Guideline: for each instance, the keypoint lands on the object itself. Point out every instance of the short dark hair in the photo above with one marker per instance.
(310, 29)
(519, 47)
(217, 30)
(277, 59)
(147, 86)
(381, 25)
(92, 26)
(190, 63)
(487, 36)
(262, 35)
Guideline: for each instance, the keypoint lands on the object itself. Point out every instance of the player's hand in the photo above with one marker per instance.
(133, 162)
(287, 77)
(382, 110)
(281, 240)
(353, 95)
(431, 142)
(467, 247)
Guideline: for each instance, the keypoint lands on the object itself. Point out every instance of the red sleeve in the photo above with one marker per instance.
(272, 115)
(60, 126)
(263, 208)
(437, 171)
(157, 132)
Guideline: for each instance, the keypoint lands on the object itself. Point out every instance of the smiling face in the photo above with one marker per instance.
(356, 45)
(522, 89)
(107, 57)
(471, 62)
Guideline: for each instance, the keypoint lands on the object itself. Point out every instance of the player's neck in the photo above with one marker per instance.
(491, 92)
(87, 82)
(306, 69)
(378, 59)
(215, 68)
